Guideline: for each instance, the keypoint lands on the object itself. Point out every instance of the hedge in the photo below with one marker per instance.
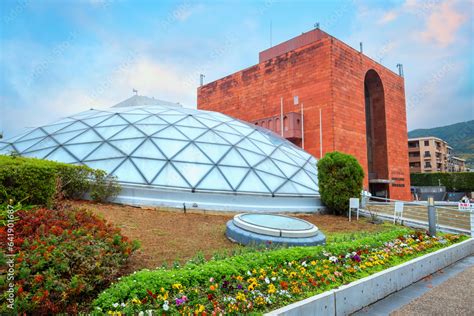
(36, 181)
(453, 181)
(340, 178)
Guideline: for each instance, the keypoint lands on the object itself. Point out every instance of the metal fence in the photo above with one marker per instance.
(449, 218)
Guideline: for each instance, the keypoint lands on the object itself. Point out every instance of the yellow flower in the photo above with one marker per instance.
(326, 271)
(260, 301)
(200, 308)
(162, 290)
(271, 289)
(136, 301)
(240, 297)
(239, 277)
(292, 274)
(177, 286)
(313, 263)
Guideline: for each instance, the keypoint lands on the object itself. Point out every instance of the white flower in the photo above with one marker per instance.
(166, 307)
(274, 278)
(149, 312)
(333, 259)
(211, 280)
(141, 313)
(123, 304)
(304, 264)
(115, 305)
(249, 273)
(267, 280)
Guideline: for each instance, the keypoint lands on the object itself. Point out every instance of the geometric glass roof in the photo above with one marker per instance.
(163, 145)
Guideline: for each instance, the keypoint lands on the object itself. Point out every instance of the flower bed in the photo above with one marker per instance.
(62, 259)
(258, 282)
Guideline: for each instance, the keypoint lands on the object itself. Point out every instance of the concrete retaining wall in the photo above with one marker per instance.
(356, 295)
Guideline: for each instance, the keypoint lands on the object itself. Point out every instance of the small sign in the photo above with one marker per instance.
(295, 100)
(354, 203)
(465, 206)
(398, 207)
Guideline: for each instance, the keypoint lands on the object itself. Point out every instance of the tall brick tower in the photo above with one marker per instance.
(351, 103)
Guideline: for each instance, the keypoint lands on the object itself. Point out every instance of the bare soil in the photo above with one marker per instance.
(167, 235)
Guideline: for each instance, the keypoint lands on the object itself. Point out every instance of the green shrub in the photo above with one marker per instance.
(62, 259)
(453, 181)
(34, 181)
(340, 178)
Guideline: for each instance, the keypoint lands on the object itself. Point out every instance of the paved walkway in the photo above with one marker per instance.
(446, 292)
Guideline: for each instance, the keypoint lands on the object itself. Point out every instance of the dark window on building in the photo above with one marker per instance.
(427, 154)
(427, 142)
(428, 164)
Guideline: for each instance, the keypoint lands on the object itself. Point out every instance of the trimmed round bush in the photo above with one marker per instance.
(340, 178)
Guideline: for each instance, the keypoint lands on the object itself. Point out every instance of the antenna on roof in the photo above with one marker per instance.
(361, 47)
(201, 79)
(316, 25)
(135, 91)
(400, 70)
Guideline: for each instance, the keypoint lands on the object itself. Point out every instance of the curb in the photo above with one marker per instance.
(354, 296)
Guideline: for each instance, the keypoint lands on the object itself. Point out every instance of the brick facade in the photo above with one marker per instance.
(330, 76)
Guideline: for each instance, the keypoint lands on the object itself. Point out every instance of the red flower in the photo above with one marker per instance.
(39, 278)
(284, 285)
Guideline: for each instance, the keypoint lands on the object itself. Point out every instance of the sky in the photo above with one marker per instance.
(61, 57)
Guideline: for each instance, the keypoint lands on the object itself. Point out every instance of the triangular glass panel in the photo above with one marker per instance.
(208, 122)
(108, 165)
(214, 151)
(24, 145)
(75, 127)
(234, 175)
(251, 157)
(170, 147)
(64, 137)
(288, 169)
(148, 149)
(169, 177)
(234, 158)
(226, 128)
(214, 181)
(231, 138)
(268, 166)
(265, 148)
(170, 133)
(82, 150)
(152, 120)
(33, 134)
(86, 137)
(132, 118)
(191, 132)
(39, 153)
(149, 167)
(85, 114)
(191, 122)
(273, 182)
(128, 173)
(304, 179)
(104, 151)
(61, 155)
(241, 127)
(127, 145)
(109, 131)
(91, 121)
(247, 144)
(257, 135)
(191, 154)
(172, 118)
(192, 171)
(282, 156)
(252, 183)
(129, 132)
(45, 143)
(150, 129)
(55, 127)
(113, 120)
(212, 138)
(295, 189)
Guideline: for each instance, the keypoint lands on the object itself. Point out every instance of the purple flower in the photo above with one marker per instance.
(239, 286)
(356, 258)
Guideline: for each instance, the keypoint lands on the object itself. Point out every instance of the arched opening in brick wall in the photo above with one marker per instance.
(376, 132)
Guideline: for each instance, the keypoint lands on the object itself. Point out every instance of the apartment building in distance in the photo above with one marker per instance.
(432, 154)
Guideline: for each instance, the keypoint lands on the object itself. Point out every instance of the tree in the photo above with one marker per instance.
(340, 178)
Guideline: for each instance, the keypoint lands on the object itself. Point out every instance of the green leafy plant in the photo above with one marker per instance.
(453, 181)
(340, 178)
(104, 187)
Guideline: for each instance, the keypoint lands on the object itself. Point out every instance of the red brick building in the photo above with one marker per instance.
(351, 103)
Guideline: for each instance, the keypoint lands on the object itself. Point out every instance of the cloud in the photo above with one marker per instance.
(388, 17)
(443, 24)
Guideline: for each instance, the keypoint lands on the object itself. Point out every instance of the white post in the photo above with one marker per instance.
(281, 116)
(472, 220)
(320, 135)
(302, 125)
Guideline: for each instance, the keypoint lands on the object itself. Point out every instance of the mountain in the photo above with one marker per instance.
(460, 136)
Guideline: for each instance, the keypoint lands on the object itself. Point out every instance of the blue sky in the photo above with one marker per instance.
(61, 57)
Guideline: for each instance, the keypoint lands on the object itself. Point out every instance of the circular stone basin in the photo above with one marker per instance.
(273, 229)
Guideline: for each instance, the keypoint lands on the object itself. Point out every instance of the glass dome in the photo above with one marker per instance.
(160, 144)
